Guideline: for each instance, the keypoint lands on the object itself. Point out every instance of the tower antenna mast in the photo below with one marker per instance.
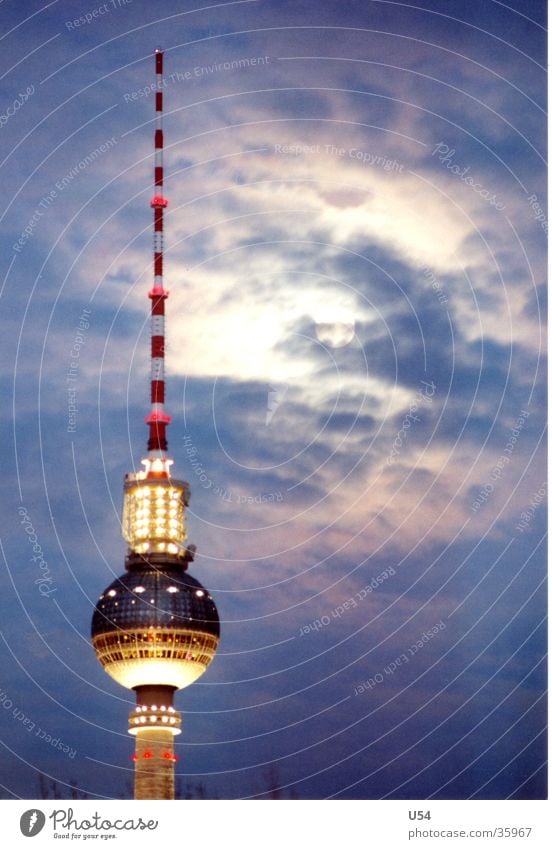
(157, 420)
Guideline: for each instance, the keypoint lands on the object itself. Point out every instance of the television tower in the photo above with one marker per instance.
(155, 629)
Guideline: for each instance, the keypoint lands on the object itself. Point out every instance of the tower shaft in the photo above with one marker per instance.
(154, 764)
(154, 723)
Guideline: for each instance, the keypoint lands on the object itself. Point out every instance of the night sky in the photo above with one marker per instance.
(355, 250)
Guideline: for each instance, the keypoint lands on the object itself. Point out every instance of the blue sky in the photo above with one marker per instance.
(355, 250)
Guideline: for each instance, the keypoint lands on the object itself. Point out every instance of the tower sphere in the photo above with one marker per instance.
(155, 625)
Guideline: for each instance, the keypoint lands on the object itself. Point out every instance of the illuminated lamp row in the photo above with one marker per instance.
(153, 718)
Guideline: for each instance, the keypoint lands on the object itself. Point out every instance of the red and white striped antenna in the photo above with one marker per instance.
(157, 462)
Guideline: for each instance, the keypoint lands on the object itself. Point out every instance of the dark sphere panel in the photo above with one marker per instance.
(153, 598)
